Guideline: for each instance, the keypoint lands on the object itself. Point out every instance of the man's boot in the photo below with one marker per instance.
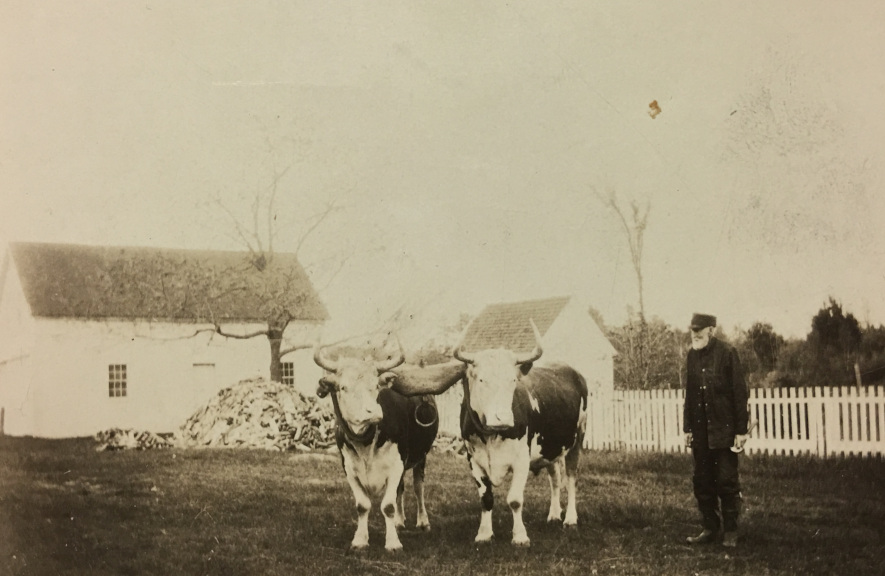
(731, 509)
(730, 539)
(704, 537)
(710, 520)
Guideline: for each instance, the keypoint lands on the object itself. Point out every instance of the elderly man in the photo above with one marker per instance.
(715, 422)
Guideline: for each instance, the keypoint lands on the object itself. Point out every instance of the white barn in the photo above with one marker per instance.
(99, 337)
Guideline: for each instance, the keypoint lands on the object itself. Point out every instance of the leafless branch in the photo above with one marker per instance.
(318, 219)
(238, 228)
(177, 338)
(383, 327)
(635, 233)
(221, 332)
(270, 209)
(339, 267)
(199, 331)
(295, 348)
(256, 210)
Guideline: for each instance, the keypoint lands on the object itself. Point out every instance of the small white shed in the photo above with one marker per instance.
(569, 334)
(96, 337)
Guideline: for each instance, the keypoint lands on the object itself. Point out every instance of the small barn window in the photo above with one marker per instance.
(116, 380)
(288, 373)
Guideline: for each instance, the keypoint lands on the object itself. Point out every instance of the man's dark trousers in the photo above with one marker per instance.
(716, 478)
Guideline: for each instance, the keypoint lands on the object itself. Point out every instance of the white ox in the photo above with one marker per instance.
(380, 434)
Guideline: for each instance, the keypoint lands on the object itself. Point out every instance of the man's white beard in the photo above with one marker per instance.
(700, 344)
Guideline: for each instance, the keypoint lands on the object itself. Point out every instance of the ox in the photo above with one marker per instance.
(380, 434)
(517, 418)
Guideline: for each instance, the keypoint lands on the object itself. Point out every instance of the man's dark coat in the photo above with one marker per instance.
(715, 391)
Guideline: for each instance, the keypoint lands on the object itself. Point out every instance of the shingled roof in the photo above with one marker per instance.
(507, 325)
(98, 282)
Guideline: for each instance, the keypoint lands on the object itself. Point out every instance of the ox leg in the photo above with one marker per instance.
(484, 487)
(399, 515)
(423, 521)
(554, 475)
(388, 506)
(515, 497)
(571, 481)
(363, 506)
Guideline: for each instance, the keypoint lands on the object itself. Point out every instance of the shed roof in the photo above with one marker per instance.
(94, 282)
(507, 325)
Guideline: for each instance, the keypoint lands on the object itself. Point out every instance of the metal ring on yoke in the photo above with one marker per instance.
(426, 414)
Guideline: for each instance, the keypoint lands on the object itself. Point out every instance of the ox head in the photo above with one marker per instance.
(492, 376)
(356, 384)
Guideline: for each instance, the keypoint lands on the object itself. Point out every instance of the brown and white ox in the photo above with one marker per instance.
(517, 418)
(380, 434)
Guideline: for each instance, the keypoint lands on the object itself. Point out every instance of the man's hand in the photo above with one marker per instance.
(739, 441)
(688, 439)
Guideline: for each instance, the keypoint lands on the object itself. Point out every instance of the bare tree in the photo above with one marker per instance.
(638, 340)
(218, 289)
(259, 237)
(634, 232)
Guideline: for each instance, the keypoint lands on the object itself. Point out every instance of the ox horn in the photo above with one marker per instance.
(394, 361)
(322, 362)
(463, 356)
(434, 379)
(536, 353)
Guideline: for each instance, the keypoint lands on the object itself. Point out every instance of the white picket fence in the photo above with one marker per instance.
(822, 422)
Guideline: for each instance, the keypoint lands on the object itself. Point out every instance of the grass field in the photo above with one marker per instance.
(67, 509)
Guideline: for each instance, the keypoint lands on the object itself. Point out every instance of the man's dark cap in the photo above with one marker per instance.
(699, 321)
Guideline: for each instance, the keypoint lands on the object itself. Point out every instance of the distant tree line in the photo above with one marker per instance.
(827, 356)
(651, 353)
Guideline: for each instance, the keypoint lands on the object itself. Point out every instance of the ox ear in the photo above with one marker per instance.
(387, 379)
(525, 367)
(327, 384)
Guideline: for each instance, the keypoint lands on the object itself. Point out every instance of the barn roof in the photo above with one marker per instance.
(93, 282)
(507, 325)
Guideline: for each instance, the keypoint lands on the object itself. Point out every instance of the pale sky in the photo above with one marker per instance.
(464, 143)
